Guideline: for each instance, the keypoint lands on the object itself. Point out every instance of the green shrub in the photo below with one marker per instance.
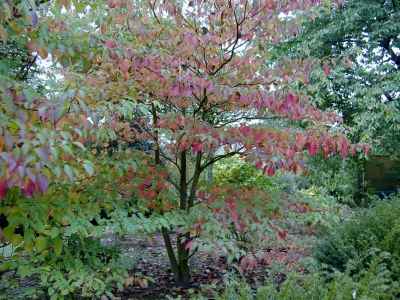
(375, 227)
(374, 282)
(235, 170)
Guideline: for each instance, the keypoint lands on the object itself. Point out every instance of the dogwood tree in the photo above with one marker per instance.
(199, 74)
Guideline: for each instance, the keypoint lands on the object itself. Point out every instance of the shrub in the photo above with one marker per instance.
(235, 170)
(374, 282)
(376, 227)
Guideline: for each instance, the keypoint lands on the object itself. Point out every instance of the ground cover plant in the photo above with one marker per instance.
(151, 95)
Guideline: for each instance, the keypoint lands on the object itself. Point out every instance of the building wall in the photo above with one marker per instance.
(377, 176)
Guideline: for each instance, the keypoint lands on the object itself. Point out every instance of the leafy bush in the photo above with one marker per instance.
(235, 170)
(374, 282)
(376, 227)
(85, 268)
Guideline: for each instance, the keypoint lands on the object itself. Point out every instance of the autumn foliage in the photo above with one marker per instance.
(193, 79)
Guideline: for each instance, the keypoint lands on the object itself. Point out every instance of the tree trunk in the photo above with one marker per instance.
(182, 276)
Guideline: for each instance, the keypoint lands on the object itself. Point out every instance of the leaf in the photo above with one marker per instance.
(68, 170)
(12, 109)
(234, 215)
(16, 239)
(42, 183)
(58, 246)
(3, 34)
(3, 188)
(89, 167)
(64, 60)
(58, 114)
(197, 147)
(282, 234)
(29, 188)
(178, 19)
(327, 70)
(271, 172)
(312, 148)
(103, 29)
(202, 194)
(34, 18)
(125, 65)
(40, 243)
(190, 244)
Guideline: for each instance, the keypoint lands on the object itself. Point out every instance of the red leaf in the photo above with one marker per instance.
(258, 165)
(201, 194)
(197, 147)
(234, 215)
(282, 235)
(29, 189)
(3, 188)
(150, 240)
(160, 185)
(103, 29)
(190, 244)
(294, 168)
(271, 172)
(303, 208)
(112, 4)
(312, 147)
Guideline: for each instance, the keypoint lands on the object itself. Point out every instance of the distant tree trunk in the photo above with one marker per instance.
(209, 172)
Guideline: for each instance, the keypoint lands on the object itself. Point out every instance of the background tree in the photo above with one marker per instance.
(366, 91)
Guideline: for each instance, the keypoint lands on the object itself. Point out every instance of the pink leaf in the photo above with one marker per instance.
(125, 65)
(103, 29)
(303, 208)
(258, 165)
(327, 69)
(282, 234)
(234, 215)
(271, 172)
(190, 244)
(176, 90)
(197, 147)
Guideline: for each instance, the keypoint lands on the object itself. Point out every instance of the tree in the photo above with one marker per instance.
(198, 69)
(366, 89)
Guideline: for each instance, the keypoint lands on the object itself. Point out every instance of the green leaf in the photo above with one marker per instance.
(24, 271)
(54, 232)
(12, 109)
(89, 167)
(16, 239)
(58, 246)
(68, 170)
(28, 235)
(40, 243)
